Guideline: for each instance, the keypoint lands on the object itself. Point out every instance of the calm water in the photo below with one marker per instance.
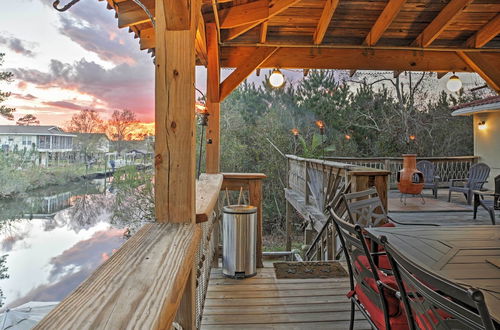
(54, 240)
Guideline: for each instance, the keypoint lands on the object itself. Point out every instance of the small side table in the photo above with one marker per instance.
(487, 199)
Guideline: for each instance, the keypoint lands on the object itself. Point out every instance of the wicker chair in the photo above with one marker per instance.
(478, 174)
(430, 179)
(432, 302)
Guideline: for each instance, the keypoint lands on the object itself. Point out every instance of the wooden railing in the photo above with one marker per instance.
(312, 185)
(447, 168)
(146, 283)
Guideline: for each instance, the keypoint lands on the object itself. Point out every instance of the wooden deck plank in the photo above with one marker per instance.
(264, 302)
(290, 326)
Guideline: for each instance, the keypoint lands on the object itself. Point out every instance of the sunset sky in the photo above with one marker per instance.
(64, 62)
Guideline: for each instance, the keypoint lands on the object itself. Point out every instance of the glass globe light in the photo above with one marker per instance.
(454, 84)
(276, 79)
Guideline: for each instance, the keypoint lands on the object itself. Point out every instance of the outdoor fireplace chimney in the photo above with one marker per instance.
(410, 180)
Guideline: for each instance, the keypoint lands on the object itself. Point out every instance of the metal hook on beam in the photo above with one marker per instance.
(64, 8)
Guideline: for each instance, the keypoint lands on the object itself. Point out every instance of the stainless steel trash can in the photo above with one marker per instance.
(239, 227)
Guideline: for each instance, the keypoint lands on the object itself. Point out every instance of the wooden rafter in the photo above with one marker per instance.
(324, 21)
(488, 71)
(130, 13)
(445, 16)
(274, 8)
(244, 69)
(243, 14)
(352, 73)
(201, 41)
(485, 34)
(385, 19)
(263, 32)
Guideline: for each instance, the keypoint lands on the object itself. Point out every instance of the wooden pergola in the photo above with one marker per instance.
(398, 35)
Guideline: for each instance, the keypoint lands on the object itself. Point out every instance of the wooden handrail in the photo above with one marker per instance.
(140, 286)
(207, 192)
(400, 158)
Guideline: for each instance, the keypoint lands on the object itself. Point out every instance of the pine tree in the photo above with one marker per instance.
(5, 76)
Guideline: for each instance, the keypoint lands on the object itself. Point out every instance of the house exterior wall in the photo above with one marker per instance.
(487, 143)
(41, 143)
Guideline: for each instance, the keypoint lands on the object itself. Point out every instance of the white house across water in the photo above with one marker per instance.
(47, 141)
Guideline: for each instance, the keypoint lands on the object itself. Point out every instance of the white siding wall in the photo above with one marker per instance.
(487, 143)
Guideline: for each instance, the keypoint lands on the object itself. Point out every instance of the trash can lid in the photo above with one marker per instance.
(239, 209)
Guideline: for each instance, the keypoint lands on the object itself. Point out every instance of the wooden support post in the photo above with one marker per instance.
(288, 217)
(175, 32)
(213, 83)
(255, 192)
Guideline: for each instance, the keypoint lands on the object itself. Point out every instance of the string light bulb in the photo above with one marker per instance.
(454, 83)
(276, 79)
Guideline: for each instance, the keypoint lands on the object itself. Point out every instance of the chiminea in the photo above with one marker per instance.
(410, 180)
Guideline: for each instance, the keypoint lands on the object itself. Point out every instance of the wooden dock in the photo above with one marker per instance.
(264, 302)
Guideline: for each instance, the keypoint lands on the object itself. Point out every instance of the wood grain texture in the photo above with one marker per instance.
(489, 71)
(324, 20)
(244, 70)
(140, 286)
(457, 253)
(489, 31)
(213, 105)
(174, 120)
(265, 302)
(208, 188)
(359, 59)
(442, 20)
(385, 19)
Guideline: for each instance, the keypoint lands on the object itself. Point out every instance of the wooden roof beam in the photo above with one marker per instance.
(359, 59)
(252, 62)
(489, 31)
(352, 73)
(263, 32)
(129, 13)
(324, 21)
(490, 74)
(275, 7)
(439, 24)
(213, 66)
(385, 19)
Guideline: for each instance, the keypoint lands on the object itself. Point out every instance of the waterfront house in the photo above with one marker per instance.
(45, 142)
(486, 124)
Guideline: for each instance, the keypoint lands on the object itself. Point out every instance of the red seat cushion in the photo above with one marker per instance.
(383, 260)
(393, 303)
(397, 321)
(423, 320)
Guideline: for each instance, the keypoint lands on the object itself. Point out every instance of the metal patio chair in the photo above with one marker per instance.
(372, 291)
(432, 302)
(478, 174)
(430, 178)
(365, 209)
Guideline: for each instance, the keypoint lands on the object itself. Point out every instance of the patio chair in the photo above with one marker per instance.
(478, 174)
(372, 291)
(430, 179)
(365, 209)
(432, 302)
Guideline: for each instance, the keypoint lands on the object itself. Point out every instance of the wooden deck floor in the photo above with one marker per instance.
(456, 214)
(264, 302)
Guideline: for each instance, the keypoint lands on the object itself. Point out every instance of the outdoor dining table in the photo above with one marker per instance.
(466, 255)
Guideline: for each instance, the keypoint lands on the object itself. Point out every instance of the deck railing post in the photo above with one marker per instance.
(175, 33)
